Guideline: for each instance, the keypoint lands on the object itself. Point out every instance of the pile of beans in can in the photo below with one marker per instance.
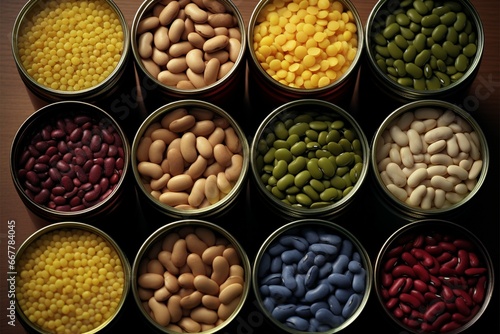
(188, 44)
(311, 279)
(309, 160)
(69, 281)
(71, 45)
(429, 158)
(72, 162)
(433, 282)
(425, 45)
(306, 44)
(190, 158)
(191, 280)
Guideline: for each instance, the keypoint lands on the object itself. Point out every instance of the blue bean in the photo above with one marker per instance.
(271, 279)
(325, 249)
(315, 307)
(356, 257)
(313, 326)
(317, 293)
(331, 239)
(306, 262)
(291, 256)
(265, 262)
(343, 294)
(358, 281)
(311, 236)
(320, 260)
(339, 280)
(300, 290)
(297, 323)
(347, 248)
(325, 270)
(276, 264)
(264, 290)
(279, 293)
(351, 305)
(303, 311)
(269, 304)
(294, 241)
(311, 277)
(340, 264)
(355, 267)
(282, 312)
(276, 249)
(288, 276)
(325, 316)
(334, 305)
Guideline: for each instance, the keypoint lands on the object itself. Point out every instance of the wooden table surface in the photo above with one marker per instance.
(482, 101)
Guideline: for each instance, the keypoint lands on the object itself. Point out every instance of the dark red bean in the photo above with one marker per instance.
(51, 151)
(409, 259)
(402, 270)
(40, 168)
(67, 183)
(434, 311)
(95, 143)
(93, 194)
(474, 259)
(95, 174)
(86, 166)
(65, 208)
(55, 174)
(81, 119)
(48, 183)
(75, 201)
(31, 187)
(62, 166)
(391, 303)
(68, 157)
(42, 197)
(475, 271)
(396, 286)
(463, 261)
(43, 159)
(112, 151)
(463, 244)
(57, 134)
(107, 137)
(447, 293)
(410, 300)
(421, 272)
(98, 161)
(46, 132)
(33, 151)
(479, 290)
(59, 200)
(58, 191)
(41, 146)
(109, 166)
(104, 183)
(420, 286)
(114, 179)
(76, 135)
(32, 177)
(80, 174)
(448, 327)
(103, 152)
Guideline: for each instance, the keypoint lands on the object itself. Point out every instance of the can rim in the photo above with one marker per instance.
(145, 7)
(419, 212)
(445, 226)
(411, 93)
(27, 126)
(111, 78)
(299, 91)
(328, 225)
(200, 212)
(175, 226)
(74, 225)
(277, 114)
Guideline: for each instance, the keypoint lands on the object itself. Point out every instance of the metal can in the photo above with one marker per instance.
(427, 60)
(207, 237)
(291, 311)
(82, 241)
(155, 190)
(227, 91)
(326, 191)
(267, 90)
(71, 60)
(51, 163)
(414, 241)
(431, 204)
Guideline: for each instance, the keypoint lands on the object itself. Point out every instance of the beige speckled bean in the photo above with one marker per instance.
(197, 168)
(150, 169)
(169, 13)
(234, 170)
(182, 124)
(174, 308)
(188, 147)
(189, 325)
(161, 40)
(158, 184)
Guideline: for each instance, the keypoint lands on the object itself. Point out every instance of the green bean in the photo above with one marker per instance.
(311, 193)
(461, 63)
(438, 52)
(414, 15)
(280, 143)
(277, 193)
(443, 78)
(422, 58)
(391, 30)
(414, 71)
(298, 129)
(460, 22)
(285, 182)
(329, 194)
(297, 165)
(280, 130)
(317, 185)
(401, 42)
(439, 33)
(280, 169)
(407, 33)
(409, 54)
(470, 50)
(448, 18)
(303, 199)
(420, 7)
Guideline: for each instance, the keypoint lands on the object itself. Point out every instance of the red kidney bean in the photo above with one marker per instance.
(433, 283)
(72, 163)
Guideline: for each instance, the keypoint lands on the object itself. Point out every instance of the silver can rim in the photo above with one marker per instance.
(175, 226)
(411, 93)
(328, 225)
(113, 77)
(301, 91)
(144, 8)
(45, 211)
(403, 207)
(71, 225)
(223, 203)
(298, 212)
(445, 226)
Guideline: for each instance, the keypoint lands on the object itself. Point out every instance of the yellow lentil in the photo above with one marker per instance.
(318, 39)
(64, 295)
(64, 44)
